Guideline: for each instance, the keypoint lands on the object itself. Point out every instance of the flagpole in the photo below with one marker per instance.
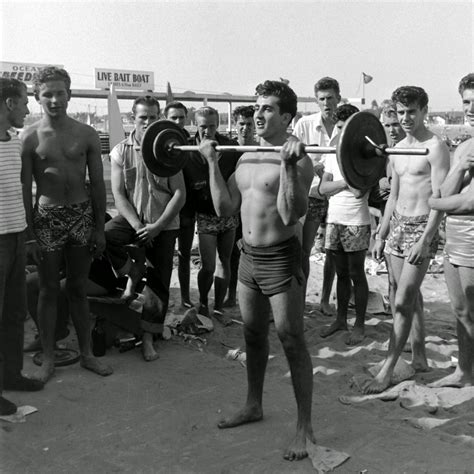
(363, 89)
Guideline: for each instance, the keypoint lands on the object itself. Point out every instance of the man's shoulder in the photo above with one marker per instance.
(310, 119)
(223, 140)
(466, 145)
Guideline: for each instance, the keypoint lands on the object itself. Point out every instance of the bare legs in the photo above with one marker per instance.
(408, 286)
(287, 311)
(185, 242)
(460, 282)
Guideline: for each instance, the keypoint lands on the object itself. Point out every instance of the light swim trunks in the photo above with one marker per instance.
(58, 226)
(459, 247)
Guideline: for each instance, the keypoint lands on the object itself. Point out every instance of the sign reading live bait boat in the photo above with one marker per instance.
(25, 72)
(122, 79)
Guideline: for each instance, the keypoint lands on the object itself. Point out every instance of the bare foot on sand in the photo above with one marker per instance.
(377, 385)
(246, 415)
(148, 350)
(457, 380)
(356, 336)
(420, 366)
(333, 328)
(297, 448)
(93, 364)
(327, 309)
(45, 372)
(135, 274)
(222, 317)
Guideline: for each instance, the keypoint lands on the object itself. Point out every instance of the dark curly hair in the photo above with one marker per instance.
(407, 95)
(175, 105)
(287, 100)
(51, 73)
(344, 111)
(11, 88)
(326, 83)
(246, 111)
(467, 82)
(148, 100)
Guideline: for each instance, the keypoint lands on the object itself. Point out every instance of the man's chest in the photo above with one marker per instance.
(60, 149)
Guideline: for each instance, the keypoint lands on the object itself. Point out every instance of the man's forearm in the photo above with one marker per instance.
(171, 210)
(220, 192)
(99, 204)
(292, 201)
(330, 188)
(385, 224)
(453, 182)
(455, 204)
(126, 210)
(28, 204)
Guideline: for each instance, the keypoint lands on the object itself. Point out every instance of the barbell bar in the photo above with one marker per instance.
(361, 145)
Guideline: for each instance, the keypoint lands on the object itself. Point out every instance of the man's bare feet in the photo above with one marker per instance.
(457, 379)
(248, 414)
(378, 384)
(297, 448)
(94, 365)
(356, 336)
(222, 317)
(148, 350)
(327, 309)
(45, 372)
(333, 328)
(137, 270)
(420, 365)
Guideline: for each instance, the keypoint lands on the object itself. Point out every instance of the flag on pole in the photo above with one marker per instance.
(116, 133)
(367, 78)
(169, 94)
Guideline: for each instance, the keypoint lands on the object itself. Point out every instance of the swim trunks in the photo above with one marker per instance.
(317, 209)
(214, 225)
(270, 269)
(459, 247)
(58, 226)
(348, 238)
(405, 231)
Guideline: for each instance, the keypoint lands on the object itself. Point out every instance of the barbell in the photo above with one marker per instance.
(361, 150)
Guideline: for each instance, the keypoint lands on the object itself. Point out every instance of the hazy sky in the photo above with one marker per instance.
(230, 46)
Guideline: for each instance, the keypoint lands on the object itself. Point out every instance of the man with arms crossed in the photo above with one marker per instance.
(319, 129)
(410, 229)
(457, 201)
(68, 218)
(13, 109)
(245, 126)
(271, 191)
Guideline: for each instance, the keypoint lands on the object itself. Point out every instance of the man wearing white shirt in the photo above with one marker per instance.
(347, 239)
(319, 129)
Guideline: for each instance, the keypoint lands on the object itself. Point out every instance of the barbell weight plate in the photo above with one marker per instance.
(361, 164)
(156, 151)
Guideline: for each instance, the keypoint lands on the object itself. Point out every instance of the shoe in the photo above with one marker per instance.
(203, 310)
(6, 407)
(23, 384)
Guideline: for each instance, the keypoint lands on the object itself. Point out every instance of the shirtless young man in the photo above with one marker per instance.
(68, 218)
(271, 191)
(457, 201)
(410, 228)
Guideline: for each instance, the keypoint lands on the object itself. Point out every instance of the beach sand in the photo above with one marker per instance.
(161, 416)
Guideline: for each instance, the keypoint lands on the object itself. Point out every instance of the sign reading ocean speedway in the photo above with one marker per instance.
(22, 71)
(121, 79)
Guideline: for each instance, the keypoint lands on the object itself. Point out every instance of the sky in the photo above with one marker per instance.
(231, 46)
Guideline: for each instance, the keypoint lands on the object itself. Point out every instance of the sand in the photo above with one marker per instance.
(161, 416)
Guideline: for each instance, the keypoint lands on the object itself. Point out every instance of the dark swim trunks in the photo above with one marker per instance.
(405, 231)
(58, 226)
(270, 269)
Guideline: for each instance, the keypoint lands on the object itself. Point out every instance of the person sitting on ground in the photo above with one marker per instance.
(67, 221)
(271, 191)
(319, 129)
(13, 110)
(347, 239)
(409, 229)
(216, 234)
(457, 200)
(148, 207)
(245, 126)
(177, 113)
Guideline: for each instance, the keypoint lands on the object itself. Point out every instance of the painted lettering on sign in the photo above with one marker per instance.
(137, 80)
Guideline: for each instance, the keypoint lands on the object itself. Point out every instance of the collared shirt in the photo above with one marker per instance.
(149, 194)
(311, 131)
(12, 209)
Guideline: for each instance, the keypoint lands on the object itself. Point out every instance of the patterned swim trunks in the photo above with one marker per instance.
(349, 238)
(405, 231)
(214, 225)
(58, 226)
(317, 209)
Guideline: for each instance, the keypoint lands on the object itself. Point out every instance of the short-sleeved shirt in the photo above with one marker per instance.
(149, 194)
(12, 209)
(196, 177)
(344, 207)
(310, 130)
